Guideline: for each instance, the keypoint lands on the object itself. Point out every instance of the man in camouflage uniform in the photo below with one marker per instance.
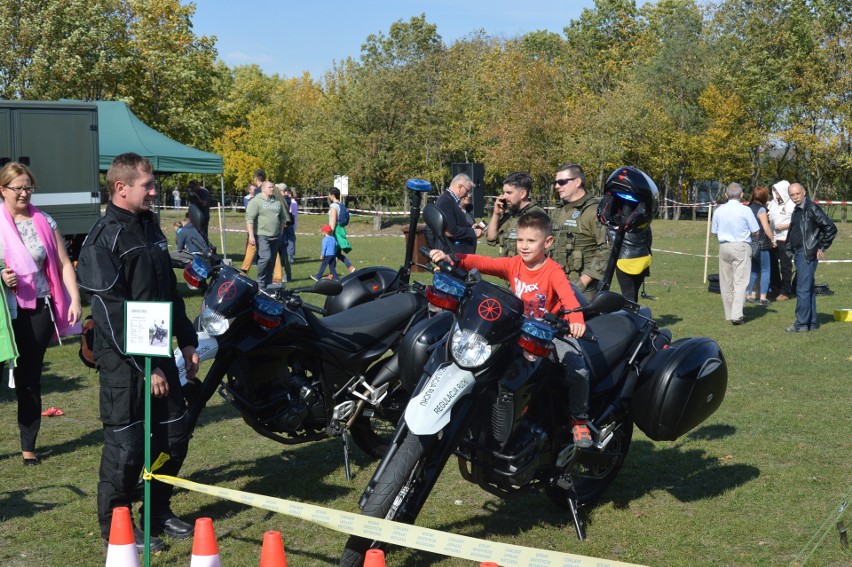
(515, 201)
(581, 244)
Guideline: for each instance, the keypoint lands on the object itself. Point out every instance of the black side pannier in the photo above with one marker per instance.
(679, 388)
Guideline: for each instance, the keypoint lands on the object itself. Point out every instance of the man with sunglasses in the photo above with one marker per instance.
(581, 244)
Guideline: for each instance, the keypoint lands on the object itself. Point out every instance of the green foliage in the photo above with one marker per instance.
(689, 91)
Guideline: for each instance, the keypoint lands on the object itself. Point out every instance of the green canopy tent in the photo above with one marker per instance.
(120, 131)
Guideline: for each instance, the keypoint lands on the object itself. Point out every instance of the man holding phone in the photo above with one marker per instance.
(515, 201)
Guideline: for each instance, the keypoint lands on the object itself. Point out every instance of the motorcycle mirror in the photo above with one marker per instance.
(606, 302)
(194, 214)
(327, 287)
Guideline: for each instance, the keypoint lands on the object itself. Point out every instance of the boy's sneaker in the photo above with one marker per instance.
(316, 279)
(581, 433)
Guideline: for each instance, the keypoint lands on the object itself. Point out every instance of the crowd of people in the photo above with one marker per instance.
(548, 260)
(762, 241)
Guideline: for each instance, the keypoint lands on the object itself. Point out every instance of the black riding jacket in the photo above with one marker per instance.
(125, 258)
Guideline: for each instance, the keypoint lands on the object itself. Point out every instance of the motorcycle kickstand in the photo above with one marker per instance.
(575, 515)
(346, 466)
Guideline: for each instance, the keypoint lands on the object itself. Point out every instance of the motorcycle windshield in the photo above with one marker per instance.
(492, 312)
(231, 293)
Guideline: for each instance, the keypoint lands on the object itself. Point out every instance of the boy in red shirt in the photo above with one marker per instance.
(541, 283)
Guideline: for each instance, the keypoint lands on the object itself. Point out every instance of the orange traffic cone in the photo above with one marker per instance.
(272, 553)
(374, 558)
(121, 551)
(205, 550)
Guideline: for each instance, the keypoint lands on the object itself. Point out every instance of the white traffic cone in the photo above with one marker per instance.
(121, 551)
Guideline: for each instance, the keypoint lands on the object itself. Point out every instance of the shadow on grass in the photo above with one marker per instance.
(688, 475)
(298, 471)
(66, 447)
(668, 320)
(25, 503)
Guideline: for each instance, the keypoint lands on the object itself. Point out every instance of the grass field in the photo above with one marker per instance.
(762, 482)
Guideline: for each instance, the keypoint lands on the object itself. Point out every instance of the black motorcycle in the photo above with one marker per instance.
(295, 376)
(490, 393)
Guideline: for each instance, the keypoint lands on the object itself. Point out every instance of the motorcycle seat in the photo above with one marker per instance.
(361, 327)
(615, 333)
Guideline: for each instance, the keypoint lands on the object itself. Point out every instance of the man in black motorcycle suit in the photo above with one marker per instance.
(125, 257)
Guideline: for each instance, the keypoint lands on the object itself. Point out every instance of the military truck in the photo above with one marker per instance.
(58, 141)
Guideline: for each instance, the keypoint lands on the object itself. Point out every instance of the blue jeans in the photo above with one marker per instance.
(759, 265)
(806, 313)
(267, 248)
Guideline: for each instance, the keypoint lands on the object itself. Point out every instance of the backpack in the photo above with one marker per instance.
(87, 342)
(342, 215)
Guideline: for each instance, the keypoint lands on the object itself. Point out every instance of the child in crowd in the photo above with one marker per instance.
(541, 283)
(329, 254)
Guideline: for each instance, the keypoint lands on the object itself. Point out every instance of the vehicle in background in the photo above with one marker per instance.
(705, 192)
(58, 141)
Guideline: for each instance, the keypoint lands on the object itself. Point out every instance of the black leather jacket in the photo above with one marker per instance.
(818, 231)
(636, 244)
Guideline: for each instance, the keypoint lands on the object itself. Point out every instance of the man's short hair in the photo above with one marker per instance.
(461, 176)
(734, 191)
(334, 191)
(125, 168)
(537, 220)
(574, 170)
(260, 174)
(520, 180)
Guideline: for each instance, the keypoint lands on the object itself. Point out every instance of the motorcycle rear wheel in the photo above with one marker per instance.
(402, 471)
(591, 482)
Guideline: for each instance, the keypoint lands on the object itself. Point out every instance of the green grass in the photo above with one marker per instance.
(760, 483)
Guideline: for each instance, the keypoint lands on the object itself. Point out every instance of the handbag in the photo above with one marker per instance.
(755, 249)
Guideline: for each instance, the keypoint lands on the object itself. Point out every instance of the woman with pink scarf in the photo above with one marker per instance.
(41, 277)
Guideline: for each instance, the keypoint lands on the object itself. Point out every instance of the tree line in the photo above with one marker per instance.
(739, 90)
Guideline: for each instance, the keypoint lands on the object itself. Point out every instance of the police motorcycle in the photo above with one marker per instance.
(296, 376)
(490, 391)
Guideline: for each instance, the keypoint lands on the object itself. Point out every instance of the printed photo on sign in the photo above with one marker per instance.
(148, 328)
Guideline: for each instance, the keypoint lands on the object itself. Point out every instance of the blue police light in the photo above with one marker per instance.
(420, 185)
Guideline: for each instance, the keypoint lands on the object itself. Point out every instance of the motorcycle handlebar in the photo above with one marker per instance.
(314, 309)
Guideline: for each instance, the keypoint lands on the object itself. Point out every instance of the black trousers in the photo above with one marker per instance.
(123, 454)
(33, 331)
(630, 283)
(786, 268)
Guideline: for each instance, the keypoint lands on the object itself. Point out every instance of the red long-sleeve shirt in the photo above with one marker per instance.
(546, 287)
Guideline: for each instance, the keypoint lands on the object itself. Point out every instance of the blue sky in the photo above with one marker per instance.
(288, 38)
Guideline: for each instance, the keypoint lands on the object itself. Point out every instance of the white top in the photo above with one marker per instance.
(780, 215)
(734, 222)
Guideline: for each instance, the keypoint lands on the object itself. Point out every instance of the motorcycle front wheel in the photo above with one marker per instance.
(402, 474)
(590, 482)
(372, 434)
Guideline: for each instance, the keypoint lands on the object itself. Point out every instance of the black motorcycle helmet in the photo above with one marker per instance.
(630, 200)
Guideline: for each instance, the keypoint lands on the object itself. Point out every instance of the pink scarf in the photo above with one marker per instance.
(21, 261)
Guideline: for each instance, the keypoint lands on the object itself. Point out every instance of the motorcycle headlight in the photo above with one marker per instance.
(213, 322)
(469, 349)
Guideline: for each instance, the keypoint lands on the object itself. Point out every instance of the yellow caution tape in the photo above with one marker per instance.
(404, 535)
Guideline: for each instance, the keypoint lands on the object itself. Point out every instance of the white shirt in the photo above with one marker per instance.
(734, 222)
